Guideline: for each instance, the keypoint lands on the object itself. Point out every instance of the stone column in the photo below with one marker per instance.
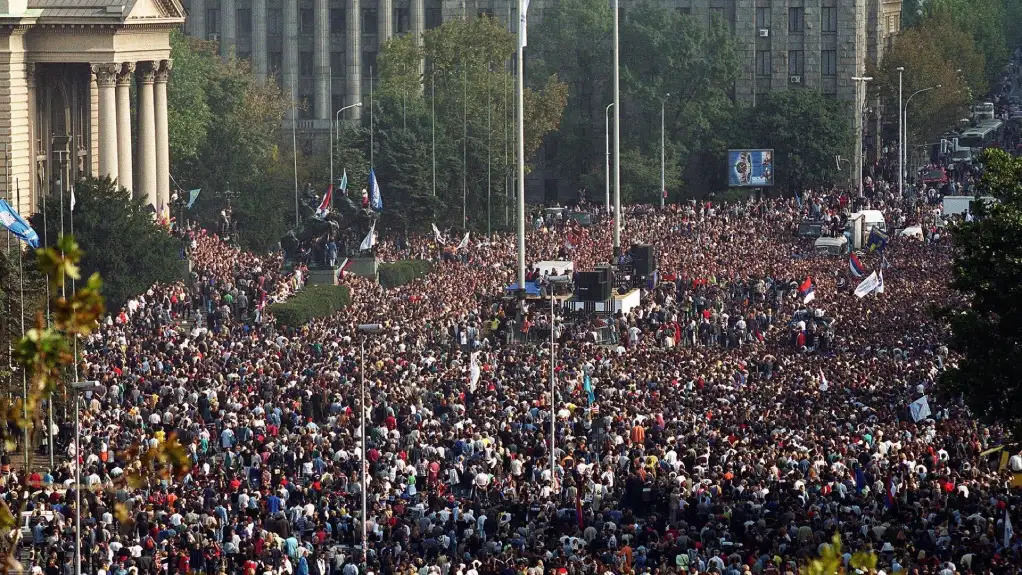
(289, 75)
(162, 138)
(259, 57)
(126, 72)
(385, 28)
(27, 199)
(321, 47)
(353, 57)
(197, 19)
(106, 79)
(228, 29)
(417, 20)
(145, 187)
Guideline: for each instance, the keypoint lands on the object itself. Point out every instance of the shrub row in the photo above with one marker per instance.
(403, 272)
(313, 302)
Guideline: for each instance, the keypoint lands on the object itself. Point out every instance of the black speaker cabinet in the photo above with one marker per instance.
(644, 260)
(590, 286)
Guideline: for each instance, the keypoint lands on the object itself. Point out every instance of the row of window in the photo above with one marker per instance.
(797, 19)
(306, 21)
(796, 62)
(306, 63)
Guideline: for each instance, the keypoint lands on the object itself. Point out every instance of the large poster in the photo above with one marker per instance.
(750, 168)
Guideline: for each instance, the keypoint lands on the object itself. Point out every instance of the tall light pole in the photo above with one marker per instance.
(78, 388)
(368, 329)
(432, 103)
(335, 134)
(663, 182)
(553, 402)
(617, 135)
(520, 105)
(860, 96)
(905, 116)
(901, 139)
(606, 147)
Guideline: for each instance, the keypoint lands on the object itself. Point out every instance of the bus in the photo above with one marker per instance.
(983, 111)
(984, 135)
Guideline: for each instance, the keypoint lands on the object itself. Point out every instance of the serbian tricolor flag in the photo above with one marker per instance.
(578, 509)
(855, 266)
(807, 290)
(890, 492)
(324, 206)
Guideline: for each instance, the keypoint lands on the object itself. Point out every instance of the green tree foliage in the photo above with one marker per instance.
(123, 242)
(662, 52)
(987, 271)
(313, 302)
(465, 84)
(224, 128)
(11, 287)
(983, 20)
(403, 272)
(932, 54)
(805, 129)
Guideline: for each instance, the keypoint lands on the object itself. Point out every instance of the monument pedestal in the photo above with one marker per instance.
(362, 267)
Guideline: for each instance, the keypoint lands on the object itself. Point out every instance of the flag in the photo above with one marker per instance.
(17, 225)
(855, 266)
(824, 384)
(375, 196)
(439, 237)
(867, 286)
(524, 28)
(880, 282)
(860, 480)
(1009, 533)
(578, 509)
(73, 198)
(890, 493)
(798, 200)
(324, 205)
(192, 196)
(807, 290)
(370, 239)
(877, 240)
(464, 241)
(884, 264)
(474, 372)
(344, 182)
(920, 409)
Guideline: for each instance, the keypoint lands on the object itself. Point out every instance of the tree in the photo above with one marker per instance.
(986, 330)
(982, 20)
(805, 129)
(640, 176)
(123, 242)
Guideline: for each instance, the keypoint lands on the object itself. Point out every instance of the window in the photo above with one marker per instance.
(369, 22)
(337, 21)
(485, 12)
(244, 55)
(829, 24)
(305, 107)
(337, 68)
(764, 65)
(244, 21)
(685, 11)
(716, 15)
(369, 65)
(796, 62)
(402, 21)
(275, 60)
(796, 20)
(828, 62)
(762, 18)
(306, 21)
(212, 23)
(305, 63)
(275, 22)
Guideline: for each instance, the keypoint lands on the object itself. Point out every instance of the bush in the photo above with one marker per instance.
(312, 302)
(403, 272)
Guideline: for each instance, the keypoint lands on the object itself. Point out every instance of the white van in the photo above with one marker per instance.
(861, 223)
(831, 246)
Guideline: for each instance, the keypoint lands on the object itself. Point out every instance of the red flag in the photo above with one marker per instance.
(806, 285)
(324, 206)
(578, 508)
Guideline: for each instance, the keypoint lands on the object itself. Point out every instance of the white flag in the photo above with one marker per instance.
(437, 235)
(867, 286)
(880, 282)
(524, 28)
(824, 384)
(920, 409)
(474, 372)
(464, 241)
(72, 198)
(370, 240)
(1009, 533)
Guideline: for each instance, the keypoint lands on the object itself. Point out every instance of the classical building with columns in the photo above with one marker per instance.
(67, 107)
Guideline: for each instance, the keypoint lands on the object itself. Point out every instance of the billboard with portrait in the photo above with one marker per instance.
(750, 168)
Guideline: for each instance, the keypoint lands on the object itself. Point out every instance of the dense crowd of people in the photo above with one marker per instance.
(729, 427)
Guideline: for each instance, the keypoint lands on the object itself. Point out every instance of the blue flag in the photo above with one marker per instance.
(192, 196)
(798, 199)
(17, 225)
(877, 240)
(375, 197)
(344, 181)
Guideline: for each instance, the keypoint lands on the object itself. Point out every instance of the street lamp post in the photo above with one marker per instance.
(553, 394)
(606, 139)
(368, 329)
(79, 388)
(617, 134)
(860, 86)
(335, 133)
(904, 113)
(663, 183)
(901, 139)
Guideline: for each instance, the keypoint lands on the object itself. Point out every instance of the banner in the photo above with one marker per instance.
(920, 409)
(464, 241)
(439, 237)
(370, 239)
(17, 225)
(192, 196)
(867, 286)
(375, 196)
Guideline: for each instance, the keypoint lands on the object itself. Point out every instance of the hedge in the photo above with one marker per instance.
(405, 271)
(313, 302)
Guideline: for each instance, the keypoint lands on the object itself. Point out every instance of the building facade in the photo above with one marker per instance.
(67, 109)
